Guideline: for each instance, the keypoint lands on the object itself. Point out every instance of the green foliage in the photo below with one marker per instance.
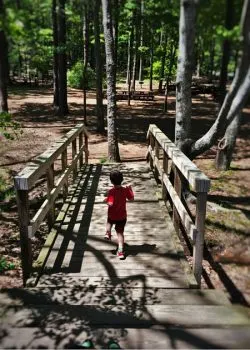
(8, 128)
(75, 76)
(5, 265)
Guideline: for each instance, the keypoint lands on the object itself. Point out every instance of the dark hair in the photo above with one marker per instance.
(116, 177)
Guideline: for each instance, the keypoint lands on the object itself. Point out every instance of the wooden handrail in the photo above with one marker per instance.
(183, 168)
(26, 180)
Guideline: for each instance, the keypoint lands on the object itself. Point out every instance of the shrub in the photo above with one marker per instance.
(5, 265)
(75, 76)
(9, 129)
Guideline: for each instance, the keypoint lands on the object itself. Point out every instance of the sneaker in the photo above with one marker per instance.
(108, 236)
(120, 254)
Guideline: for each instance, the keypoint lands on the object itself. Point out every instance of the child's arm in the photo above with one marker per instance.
(129, 193)
(109, 199)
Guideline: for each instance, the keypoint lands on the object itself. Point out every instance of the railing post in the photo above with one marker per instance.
(22, 197)
(157, 157)
(80, 145)
(64, 166)
(73, 155)
(152, 145)
(50, 185)
(199, 240)
(165, 170)
(177, 187)
(86, 149)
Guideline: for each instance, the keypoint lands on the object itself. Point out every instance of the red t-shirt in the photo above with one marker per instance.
(116, 201)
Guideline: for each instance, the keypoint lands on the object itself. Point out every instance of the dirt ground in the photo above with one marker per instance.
(227, 252)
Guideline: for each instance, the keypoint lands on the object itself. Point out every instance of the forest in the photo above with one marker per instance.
(118, 66)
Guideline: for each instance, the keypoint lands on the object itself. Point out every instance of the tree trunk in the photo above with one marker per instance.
(184, 71)
(85, 57)
(115, 32)
(134, 60)
(226, 51)
(3, 63)
(163, 60)
(172, 59)
(211, 66)
(151, 62)
(62, 61)
(226, 145)
(238, 94)
(98, 65)
(113, 150)
(130, 43)
(55, 56)
(141, 42)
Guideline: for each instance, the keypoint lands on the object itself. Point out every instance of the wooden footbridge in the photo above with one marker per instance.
(79, 289)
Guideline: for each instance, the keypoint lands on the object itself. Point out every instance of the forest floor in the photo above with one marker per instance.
(227, 258)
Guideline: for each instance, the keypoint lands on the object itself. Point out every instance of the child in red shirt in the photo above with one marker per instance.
(117, 214)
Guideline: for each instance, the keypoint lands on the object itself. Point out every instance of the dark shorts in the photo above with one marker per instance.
(119, 224)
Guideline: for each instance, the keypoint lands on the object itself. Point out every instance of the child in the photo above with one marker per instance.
(117, 214)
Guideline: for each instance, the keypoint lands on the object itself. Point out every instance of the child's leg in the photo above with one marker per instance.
(108, 230)
(120, 238)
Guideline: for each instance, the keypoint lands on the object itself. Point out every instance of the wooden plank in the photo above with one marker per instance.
(64, 166)
(74, 151)
(185, 218)
(22, 197)
(50, 186)
(36, 221)
(199, 181)
(202, 315)
(106, 296)
(199, 242)
(27, 177)
(127, 338)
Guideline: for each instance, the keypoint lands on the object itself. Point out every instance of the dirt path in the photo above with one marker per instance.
(227, 232)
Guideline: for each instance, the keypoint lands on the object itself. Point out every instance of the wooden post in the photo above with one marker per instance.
(199, 241)
(80, 145)
(64, 166)
(152, 144)
(177, 187)
(86, 149)
(22, 197)
(157, 157)
(73, 155)
(165, 170)
(50, 185)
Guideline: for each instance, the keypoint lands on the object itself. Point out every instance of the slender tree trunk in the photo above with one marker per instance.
(172, 59)
(226, 145)
(98, 62)
(226, 50)
(85, 57)
(212, 54)
(3, 62)
(115, 31)
(151, 62)
(141, 41)
(163, 60)
(113, 150)
(184, 71)
(55, 56)
(134, 61)
(62, 61)
(130, 43)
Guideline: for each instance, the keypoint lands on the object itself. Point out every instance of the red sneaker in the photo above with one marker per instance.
(120, 254)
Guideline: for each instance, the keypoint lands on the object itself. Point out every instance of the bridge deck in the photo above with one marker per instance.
(81, 253)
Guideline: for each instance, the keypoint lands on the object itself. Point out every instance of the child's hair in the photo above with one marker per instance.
(116, 177)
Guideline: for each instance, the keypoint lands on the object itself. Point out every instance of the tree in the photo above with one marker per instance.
(113, 150)
(55, 55)
(85, 57)
(237, 95)
(226, 49)
(3, 62)
(62, 61)
(184, 71)
(98, 65)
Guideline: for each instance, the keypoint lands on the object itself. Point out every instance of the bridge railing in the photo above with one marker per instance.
(44, 165)
(168, 162)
